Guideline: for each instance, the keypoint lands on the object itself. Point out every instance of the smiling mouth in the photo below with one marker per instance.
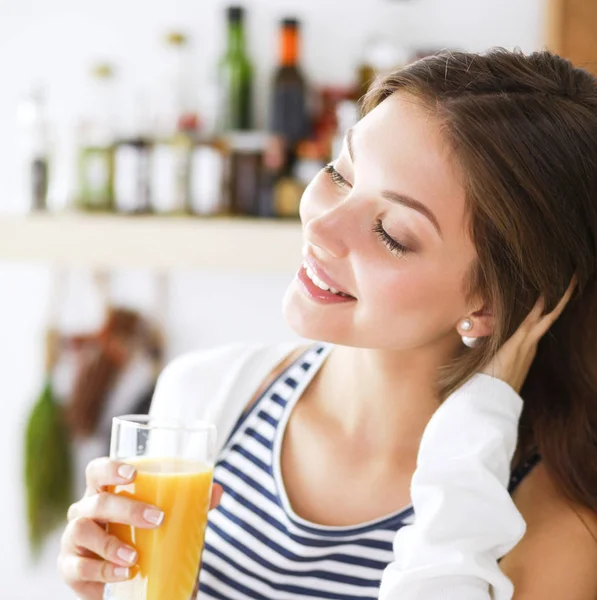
(323, 286)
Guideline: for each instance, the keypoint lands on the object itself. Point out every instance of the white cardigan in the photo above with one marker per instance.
(465, 518)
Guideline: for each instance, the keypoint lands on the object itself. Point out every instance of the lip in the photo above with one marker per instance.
(321, 274)
(317, 294)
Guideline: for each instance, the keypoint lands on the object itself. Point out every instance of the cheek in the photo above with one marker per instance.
(420, 290)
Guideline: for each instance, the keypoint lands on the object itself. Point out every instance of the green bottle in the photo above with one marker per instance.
(235, 77)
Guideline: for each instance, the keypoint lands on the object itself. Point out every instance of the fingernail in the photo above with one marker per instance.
(126, 471)
(127, 554)
(122, 572)
(153, 516)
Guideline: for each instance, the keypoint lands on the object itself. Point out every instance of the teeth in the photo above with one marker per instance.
(322, 286)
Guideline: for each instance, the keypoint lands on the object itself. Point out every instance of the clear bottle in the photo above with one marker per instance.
(347, 115)
(381, 55)
(209, 170)
(97, 136)
(34, 153)
(176, 129)
(170, 170)
(235, 76)
(132, 164)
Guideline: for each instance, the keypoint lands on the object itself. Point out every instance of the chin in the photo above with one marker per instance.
(312, 322)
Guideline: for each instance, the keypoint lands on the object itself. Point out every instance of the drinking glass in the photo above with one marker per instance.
(174, 461)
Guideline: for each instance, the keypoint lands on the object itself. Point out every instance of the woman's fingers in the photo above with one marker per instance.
(103, 472)
(536, 324)
(109, 508)
(88, 590)
(530, 321)
(549, 319)
(216, 496)
(74, 568)
(87, 534)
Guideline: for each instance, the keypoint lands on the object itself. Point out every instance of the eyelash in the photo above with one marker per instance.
(335, 176)
(396, 248)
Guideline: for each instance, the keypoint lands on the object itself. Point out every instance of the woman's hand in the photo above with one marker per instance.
(89, 556)
(513, 360)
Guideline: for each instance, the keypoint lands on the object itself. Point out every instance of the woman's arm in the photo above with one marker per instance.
(557, 557)
(465, 518)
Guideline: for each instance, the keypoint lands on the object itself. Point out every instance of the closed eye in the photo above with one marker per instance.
(335, 176)
(395, 247)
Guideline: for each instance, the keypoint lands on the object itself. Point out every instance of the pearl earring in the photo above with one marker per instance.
(471, 342)
(466, 325)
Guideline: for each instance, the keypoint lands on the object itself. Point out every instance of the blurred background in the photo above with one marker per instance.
(152, 159)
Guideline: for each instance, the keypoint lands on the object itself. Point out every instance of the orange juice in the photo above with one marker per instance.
(169, 557)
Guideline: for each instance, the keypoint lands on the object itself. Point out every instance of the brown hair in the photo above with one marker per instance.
(523, 129)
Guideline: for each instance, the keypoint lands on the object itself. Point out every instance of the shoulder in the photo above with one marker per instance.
(556, 558)
(194, 366)
(198, 383)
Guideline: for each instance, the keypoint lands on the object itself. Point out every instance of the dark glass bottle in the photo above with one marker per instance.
(290, 119)
(236, 76)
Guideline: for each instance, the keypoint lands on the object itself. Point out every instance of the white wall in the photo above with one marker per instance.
(54, 41)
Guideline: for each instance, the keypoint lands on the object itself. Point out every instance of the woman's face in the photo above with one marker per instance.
(387, 227)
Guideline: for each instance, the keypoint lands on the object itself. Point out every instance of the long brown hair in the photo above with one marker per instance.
(523, 130)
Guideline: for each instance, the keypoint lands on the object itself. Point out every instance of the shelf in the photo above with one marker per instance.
(109, 241)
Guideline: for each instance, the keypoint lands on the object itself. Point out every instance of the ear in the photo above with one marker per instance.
(483, 323)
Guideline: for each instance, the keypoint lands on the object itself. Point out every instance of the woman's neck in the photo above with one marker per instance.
(381, 399)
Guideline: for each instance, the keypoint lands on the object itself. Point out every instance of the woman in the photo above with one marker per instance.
(467, 191)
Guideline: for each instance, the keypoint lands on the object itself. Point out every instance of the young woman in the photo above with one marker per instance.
(466, 192)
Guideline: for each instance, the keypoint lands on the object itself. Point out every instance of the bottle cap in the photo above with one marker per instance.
(294, 23)
(176, 38)
(102, 70)
(236, 13)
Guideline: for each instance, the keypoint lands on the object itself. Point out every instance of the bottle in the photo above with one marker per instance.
(175, 99)
(235, 77)
(290, 119)
(246, 171)
(170, 172)
(380, 56)
(132, 165)
(289, 190)
(96, 145)
(208, 168)
(176, 128)
(347, 115)
(34, 153)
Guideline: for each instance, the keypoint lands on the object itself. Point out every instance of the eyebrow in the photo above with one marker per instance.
(402, 199)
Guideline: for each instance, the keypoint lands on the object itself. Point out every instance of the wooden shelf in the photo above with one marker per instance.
(106, 241)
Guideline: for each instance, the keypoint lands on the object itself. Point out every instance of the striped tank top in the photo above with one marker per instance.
(256, 546)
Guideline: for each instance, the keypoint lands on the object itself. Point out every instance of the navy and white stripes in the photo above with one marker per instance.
(256, 547)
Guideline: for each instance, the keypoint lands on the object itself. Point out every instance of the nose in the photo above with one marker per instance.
(330, 230)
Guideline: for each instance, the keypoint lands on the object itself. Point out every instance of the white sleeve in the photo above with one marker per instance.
(465, 518)
(189, 385)
(216, 385)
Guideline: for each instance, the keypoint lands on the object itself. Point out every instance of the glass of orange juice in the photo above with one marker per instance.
(174, 462)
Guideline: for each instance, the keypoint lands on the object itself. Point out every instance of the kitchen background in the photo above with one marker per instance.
(218, 280)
